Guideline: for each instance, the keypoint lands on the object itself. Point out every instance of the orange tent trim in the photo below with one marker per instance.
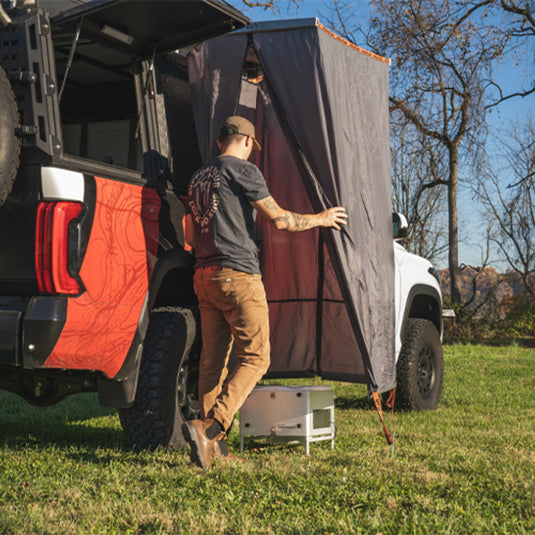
(353, 46)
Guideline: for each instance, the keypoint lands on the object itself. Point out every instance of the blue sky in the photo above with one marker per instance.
(514, 73)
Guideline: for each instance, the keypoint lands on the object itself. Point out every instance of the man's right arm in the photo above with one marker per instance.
(282, 219)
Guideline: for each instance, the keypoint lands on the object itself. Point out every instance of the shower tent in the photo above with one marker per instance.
(320, 107)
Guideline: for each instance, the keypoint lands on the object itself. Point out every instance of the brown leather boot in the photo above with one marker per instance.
(221, 448)
(202, 448)
(222, 452)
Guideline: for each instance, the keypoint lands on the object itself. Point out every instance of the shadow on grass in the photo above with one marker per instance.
(353, 402)
(87, 432)
(79, 420)
(365, 404)
(64, 437)
(77, 428)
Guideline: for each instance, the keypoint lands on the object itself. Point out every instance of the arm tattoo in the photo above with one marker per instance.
(293, 222)
(270, 204)
(285, 220)
(300, 222)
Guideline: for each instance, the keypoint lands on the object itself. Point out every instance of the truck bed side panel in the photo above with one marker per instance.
(102, 321)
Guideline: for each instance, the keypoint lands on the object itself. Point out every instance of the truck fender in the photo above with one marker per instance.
(424, 302)
(176, 259)
(120, 391)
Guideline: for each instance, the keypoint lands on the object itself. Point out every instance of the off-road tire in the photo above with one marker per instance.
(9, 139)
(166, 394)
(420, 367)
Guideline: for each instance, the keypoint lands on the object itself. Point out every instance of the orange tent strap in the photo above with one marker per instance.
(379, 407)
(353, 46)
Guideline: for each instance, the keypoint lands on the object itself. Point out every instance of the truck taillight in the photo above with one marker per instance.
(52, 247)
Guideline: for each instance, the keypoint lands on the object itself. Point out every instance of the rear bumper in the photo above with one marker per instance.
(29, 329)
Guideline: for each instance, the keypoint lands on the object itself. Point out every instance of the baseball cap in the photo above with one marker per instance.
(239, 125)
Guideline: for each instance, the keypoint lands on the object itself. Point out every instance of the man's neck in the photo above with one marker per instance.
(232, 151)
(238, 149)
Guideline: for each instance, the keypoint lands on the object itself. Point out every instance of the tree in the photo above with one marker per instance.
(414, 162)
(518, 29)
(442, 53)
(513, 208)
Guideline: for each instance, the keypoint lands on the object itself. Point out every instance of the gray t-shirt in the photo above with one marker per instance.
(218, 200)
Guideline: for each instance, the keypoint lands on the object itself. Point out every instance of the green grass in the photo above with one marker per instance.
(468, 467)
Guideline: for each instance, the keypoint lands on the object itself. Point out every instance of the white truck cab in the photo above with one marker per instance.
(419, 358)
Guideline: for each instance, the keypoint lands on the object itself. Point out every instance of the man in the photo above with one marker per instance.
(222, 199)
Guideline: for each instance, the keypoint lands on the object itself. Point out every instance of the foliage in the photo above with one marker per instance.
(512, 318)
(468, 467)
(519, 312)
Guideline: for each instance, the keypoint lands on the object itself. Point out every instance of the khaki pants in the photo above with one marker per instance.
(233, 307)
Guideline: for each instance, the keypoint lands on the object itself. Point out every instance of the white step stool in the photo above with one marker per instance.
(289, 414)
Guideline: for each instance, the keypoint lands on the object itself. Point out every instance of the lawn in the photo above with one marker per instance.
(468, 467)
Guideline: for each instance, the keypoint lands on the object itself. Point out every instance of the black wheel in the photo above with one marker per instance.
(9, 140)
(166, 394)
(420, 367)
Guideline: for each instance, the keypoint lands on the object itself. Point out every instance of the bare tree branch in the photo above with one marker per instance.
(268, 4)
(415, 118)
(503, 98)
(522, 180)
(526, 13)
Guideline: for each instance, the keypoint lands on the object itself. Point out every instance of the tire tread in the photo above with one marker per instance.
(155, 419)
(9, 167)
(418, 332)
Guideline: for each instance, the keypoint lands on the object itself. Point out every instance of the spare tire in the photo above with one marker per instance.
(9, 140)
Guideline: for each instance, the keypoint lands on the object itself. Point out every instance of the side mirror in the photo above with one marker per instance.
(400, 226)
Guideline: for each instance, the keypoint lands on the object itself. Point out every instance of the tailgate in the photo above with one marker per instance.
(144, 28)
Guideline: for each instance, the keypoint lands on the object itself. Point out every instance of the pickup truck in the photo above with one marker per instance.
(95, 276)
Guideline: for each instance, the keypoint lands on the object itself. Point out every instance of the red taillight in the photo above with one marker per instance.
(52, 247)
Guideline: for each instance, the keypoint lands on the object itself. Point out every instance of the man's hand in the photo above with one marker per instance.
(282, 219)
(334, 217)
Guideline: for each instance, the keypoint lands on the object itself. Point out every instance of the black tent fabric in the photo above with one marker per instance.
(321, 115)
(215, 84)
